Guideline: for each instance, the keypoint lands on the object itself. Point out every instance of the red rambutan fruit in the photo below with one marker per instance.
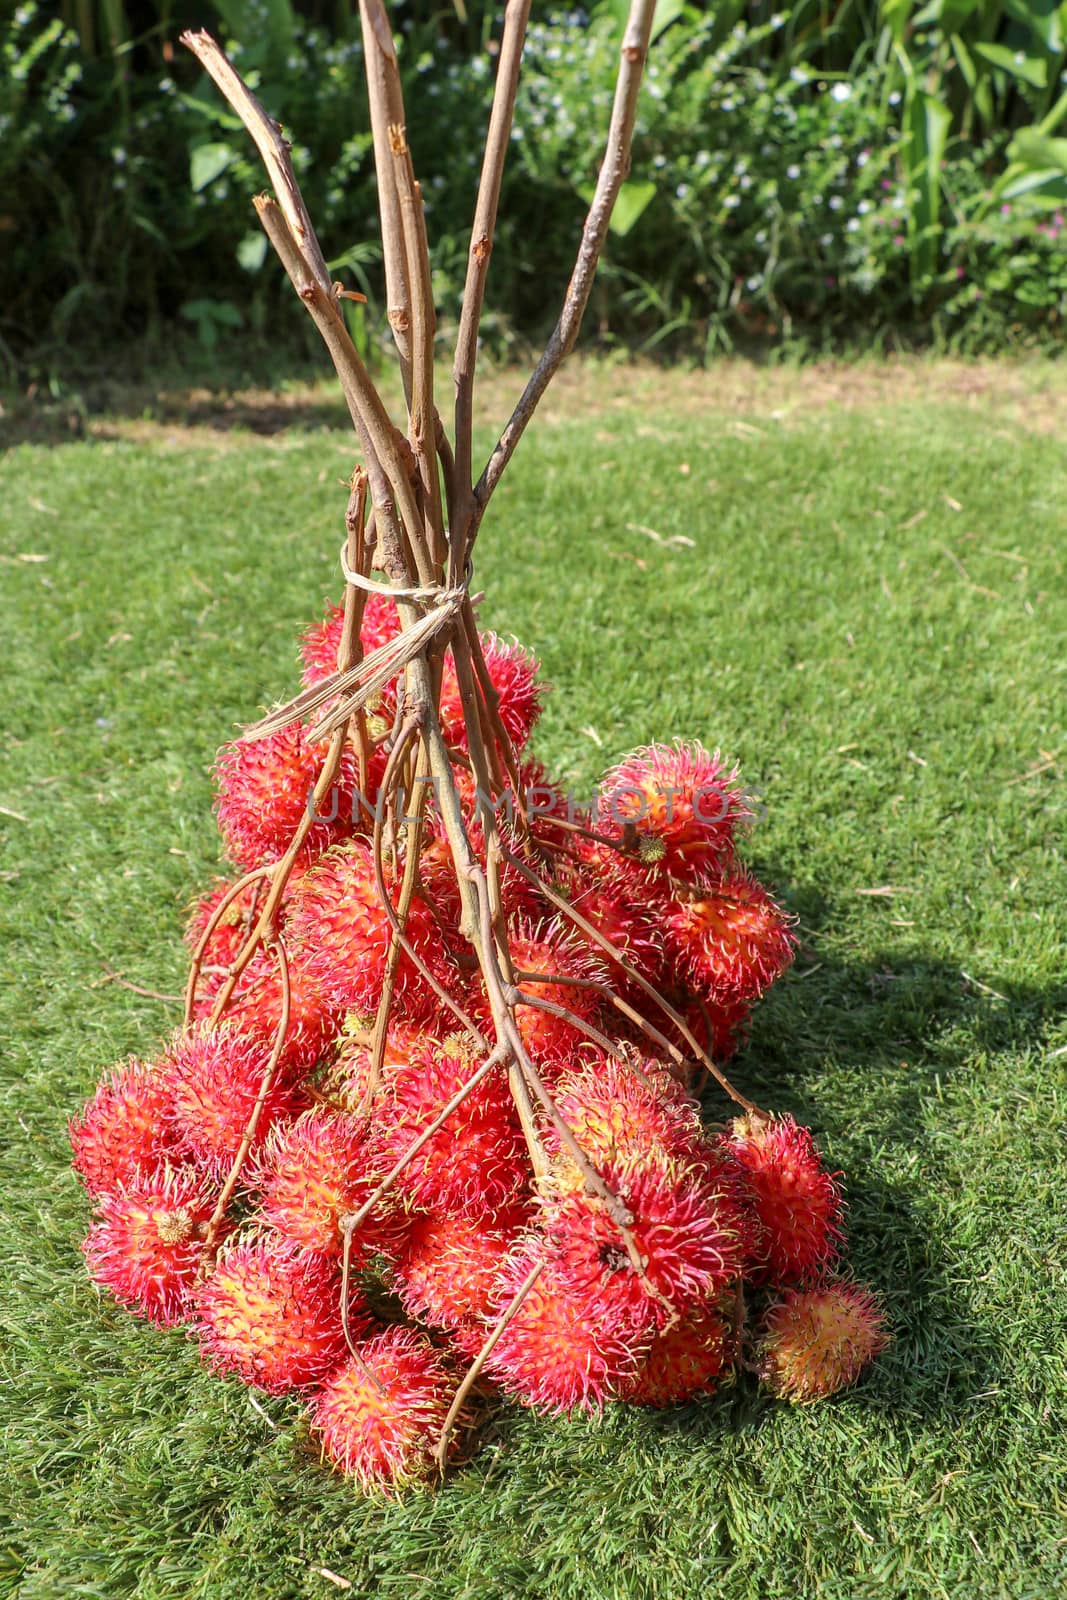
(346, 1081)
(684, 1360)
(146, 1247)
(817, 1341)
(797, 1201)
(554, 1355)
(606, 898)
(214, 1078)
(513, 672)
(123, 1132)
(339, 926)
(618, 1120)
(684, 804)
(229, 933)
(449, 1266)
(476, 1162)
(255, 1009)
(263, 791)
(313, 1172)
(271, 1315)
(380, 1415)
(320, 643)
(541, 953)
(733, 942)
(686, 1229)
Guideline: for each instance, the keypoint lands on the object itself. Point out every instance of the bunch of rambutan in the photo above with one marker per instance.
(360, 1207)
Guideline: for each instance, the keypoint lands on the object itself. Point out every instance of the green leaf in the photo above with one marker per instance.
(631, 202)
(207, 162)
(1031, 69)
(1032, 148)
(667, 11)
(1046, 188)
(252, 251)
(1042, 17)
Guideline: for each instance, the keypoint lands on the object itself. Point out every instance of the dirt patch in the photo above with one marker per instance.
(1029, 394)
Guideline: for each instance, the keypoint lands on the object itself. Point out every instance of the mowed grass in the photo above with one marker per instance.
(869, 617)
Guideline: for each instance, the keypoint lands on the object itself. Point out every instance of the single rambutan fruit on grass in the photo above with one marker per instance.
(731, 943)
(620, 1120)
(263, 789)
(684, 804)
(146, 1246)
(555, 1355)
(687, 1231)
(514, 674)
(817, 1341)
(340, 928)
(312, 1173)
(214, 1078)
(449, 1265)
(381, 1414)
(683, 1361)
(320, 643)
(124, 1131)
(255, 1009)
(797, 1201)
(476, 1162)
(542, 954)
(271, 1315)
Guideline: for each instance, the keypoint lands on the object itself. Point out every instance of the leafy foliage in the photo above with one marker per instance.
(797, 173)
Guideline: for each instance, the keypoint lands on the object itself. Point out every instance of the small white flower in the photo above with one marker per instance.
(841, 91)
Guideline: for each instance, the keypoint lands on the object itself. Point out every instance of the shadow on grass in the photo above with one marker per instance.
(895, 1032)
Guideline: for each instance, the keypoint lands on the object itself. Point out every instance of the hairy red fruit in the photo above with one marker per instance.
(270, 1315)
(684, 1361)
(732, 943)
(476, 1162)
(684, 805)
(513, 672)
(342, 932)
(797, 1201)
(620, 1120)
(380, 1415)
(146, 1247)
(214, 1078)
(686, 1229)
(231, 930)
(263, 789)
(554, 1355)
(605, 896)
(817, 1341)
(311, 1174)
(255, 1009)
(540, 954)
(346, 1082)
(123, 1132)
(321, 642)
(449, 1266)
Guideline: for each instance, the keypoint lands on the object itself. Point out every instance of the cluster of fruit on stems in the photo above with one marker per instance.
(363, 1205)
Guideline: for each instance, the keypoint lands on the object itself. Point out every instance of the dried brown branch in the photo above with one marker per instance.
(613, 171)
(273, 148)
(516, 17)
(474, 1371)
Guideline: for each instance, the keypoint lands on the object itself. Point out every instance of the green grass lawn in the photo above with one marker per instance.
(870, 619)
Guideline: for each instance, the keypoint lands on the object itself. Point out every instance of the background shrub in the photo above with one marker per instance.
(859, 173)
